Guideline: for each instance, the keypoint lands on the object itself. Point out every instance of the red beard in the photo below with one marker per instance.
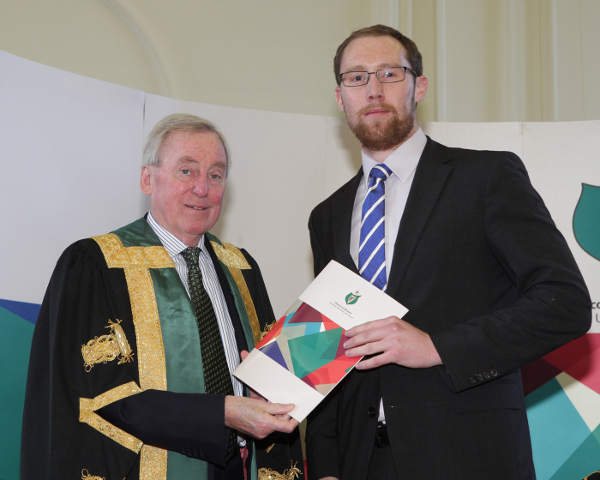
(383, 134)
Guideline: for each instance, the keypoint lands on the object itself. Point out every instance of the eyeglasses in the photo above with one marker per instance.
(385, 75)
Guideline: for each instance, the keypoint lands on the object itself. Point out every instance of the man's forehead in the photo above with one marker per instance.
(381, 51)
(184, 140)
(180, 136)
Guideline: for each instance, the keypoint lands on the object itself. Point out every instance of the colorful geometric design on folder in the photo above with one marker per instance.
(309, 345)
(563, 409)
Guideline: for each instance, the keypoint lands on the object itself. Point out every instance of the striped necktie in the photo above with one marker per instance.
(371, 252)
(217, 379)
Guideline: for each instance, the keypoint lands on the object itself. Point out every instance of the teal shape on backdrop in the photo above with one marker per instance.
(585, 460)
(552, 416)
(311, 352)
(15, 344)
(586, 220)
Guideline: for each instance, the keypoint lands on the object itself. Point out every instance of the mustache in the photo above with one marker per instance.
(382, 106)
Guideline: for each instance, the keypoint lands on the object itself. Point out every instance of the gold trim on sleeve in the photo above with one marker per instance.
(136, 262)
(88, 415)
(235, 261)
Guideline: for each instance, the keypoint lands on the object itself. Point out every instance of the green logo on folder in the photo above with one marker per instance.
(352, 298)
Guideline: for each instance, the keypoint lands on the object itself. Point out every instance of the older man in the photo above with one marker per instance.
(139, 330)
(463, 240)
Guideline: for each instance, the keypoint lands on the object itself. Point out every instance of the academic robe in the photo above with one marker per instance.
(118, 328)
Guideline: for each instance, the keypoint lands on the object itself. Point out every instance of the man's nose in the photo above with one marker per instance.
(201, 186)
(374, 87)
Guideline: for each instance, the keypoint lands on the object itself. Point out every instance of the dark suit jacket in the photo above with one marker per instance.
(482, 268)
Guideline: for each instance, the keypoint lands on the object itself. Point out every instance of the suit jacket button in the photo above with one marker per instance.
(472, 379)
(486, 375)
(494, 373)
(372, 412)
(479, 377)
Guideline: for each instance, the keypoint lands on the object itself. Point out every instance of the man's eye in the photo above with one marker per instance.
(389, 74)
(215, 176)
(358, 78)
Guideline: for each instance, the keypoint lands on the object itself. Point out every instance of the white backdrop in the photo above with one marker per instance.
(70, 155)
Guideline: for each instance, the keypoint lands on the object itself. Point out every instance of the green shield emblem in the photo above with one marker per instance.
(586, 224)
(352, 298)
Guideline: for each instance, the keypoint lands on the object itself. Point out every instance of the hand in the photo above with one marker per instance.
(395, 340)
(258, 418)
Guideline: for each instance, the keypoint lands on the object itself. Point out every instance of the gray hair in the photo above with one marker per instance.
(178, 122)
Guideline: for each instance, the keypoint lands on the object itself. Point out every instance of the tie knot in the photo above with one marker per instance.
(191, 255)
(381, 171)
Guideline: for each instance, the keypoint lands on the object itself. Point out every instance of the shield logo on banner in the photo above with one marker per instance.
(586, 224)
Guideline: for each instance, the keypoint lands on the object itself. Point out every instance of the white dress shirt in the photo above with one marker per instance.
(174, 247)
(403, 163)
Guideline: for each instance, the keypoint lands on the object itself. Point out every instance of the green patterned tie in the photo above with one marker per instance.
(217, 379)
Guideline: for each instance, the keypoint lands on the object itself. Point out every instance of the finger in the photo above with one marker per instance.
(275, 423)
(370, 348)
(290, 424)
(279, 408)
(256, 395)
(285, 417)
(372, 362)
(356, 330)
(244, 354)
(364, 338)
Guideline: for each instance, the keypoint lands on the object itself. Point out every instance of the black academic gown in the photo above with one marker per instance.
(57, 442)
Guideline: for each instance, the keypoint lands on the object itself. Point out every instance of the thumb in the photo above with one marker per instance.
(280, 408)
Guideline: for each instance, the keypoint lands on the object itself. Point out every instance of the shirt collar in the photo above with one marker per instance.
(402, 161)
(172, 244)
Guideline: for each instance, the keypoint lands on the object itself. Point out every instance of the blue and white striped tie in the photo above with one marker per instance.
(371, 252)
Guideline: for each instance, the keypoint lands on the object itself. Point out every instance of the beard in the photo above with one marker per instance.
(383, 134)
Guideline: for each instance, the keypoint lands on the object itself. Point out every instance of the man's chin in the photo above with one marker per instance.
(383, 135)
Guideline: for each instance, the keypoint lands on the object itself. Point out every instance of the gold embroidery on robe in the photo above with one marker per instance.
(136, 262)
(85, 475)
(289, 474)
(107, 347)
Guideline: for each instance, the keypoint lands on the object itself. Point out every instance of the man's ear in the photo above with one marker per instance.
(145, 181)
(420, 88)
(338, 99)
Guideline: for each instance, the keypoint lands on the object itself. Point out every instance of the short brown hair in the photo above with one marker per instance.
(412, 52)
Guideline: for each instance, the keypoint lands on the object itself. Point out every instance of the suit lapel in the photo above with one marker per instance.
(342, 221)
(431, 175)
